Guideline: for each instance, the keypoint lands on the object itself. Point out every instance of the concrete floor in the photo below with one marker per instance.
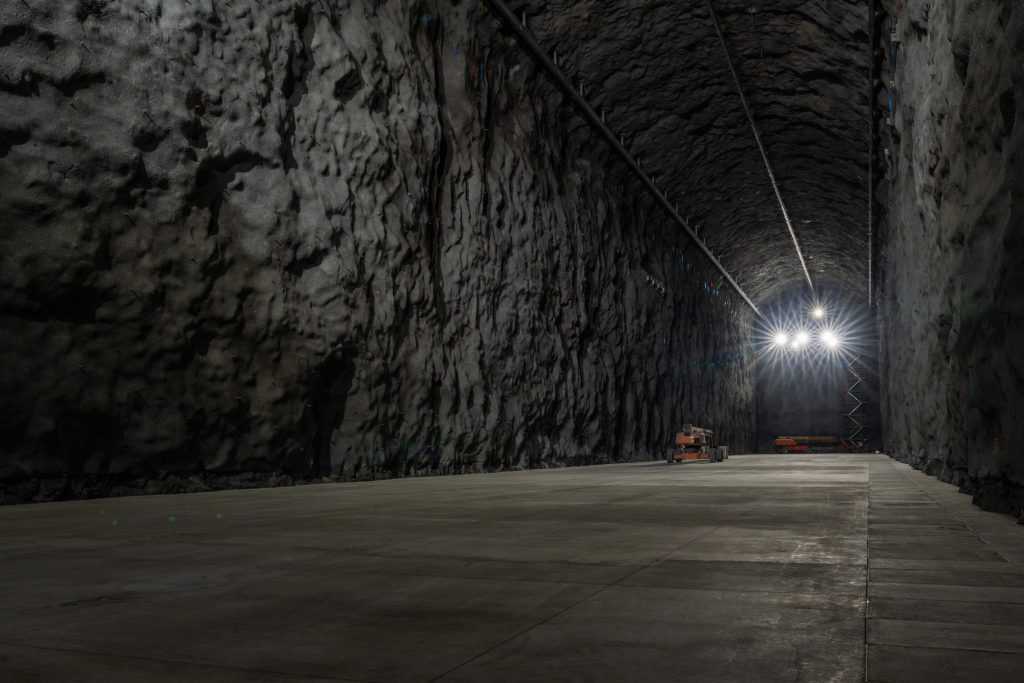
(764, 568)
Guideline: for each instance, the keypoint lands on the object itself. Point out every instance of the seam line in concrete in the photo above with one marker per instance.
(867, 567)
(941, 600)
(526, 630)
(948, 649)
(172, 660)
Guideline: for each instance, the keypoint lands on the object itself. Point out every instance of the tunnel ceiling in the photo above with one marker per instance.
(660, 72)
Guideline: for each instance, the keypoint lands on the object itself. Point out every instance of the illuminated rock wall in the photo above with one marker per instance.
(269, 242)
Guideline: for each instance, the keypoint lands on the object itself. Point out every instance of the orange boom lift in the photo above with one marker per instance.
(696, 444)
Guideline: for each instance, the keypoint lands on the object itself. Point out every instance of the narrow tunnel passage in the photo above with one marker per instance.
(266, 245)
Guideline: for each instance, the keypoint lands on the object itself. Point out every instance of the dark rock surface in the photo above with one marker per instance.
(267, 242)
(952, 312)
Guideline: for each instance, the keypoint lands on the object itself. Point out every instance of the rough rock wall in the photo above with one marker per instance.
(952, 314)
(275, 241)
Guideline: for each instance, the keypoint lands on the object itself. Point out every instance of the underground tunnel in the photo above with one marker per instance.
(716, 307)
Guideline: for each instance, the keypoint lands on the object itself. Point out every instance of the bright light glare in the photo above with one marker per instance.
(781, 339)
(818, 313)
(829, 338)
(801, 339)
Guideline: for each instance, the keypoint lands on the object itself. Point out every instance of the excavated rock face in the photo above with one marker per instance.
(952, 317)
(281, 240)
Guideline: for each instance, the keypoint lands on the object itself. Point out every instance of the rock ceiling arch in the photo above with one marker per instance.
(659, 71)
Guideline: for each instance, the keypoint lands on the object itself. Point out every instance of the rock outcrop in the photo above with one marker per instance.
(952, 312)
(275, 241)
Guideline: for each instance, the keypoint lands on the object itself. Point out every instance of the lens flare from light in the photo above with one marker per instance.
(791, 338)
(818, 312)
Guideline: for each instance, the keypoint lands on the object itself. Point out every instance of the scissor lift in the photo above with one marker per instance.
(696, 444)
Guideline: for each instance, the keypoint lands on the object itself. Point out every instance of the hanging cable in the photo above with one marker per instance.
(871, 152)
(760, 145)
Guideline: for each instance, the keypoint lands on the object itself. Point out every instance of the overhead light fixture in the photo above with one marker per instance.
(801, 339)
(830, 339)
(781, 339)
(818, 312)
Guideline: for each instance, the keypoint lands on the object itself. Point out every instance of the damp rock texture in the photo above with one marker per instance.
(275, 241)
(952, 311)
